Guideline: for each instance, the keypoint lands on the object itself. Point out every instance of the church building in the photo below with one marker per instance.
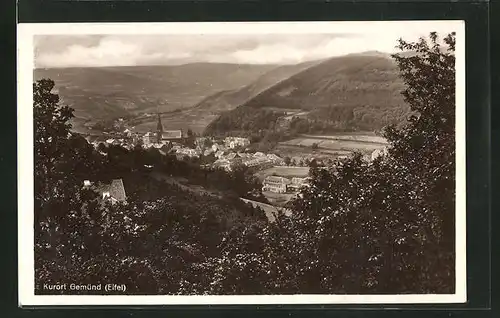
(166, 135)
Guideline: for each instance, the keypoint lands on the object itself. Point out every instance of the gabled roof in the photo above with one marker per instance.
(117, 190)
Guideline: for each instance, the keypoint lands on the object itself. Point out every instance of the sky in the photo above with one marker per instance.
(94, 50)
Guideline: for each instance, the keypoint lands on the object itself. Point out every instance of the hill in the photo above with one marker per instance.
(200, 115)
(352, 92)
(106, 92)
(230, 99)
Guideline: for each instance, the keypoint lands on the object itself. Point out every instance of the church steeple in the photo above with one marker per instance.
(159, 129)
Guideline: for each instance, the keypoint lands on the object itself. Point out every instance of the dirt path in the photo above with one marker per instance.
(180, 183)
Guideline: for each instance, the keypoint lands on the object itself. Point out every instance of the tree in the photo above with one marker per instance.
(387, 226)
(51, 133)
(429, 141)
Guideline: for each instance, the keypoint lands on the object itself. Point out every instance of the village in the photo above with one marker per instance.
(281, 179)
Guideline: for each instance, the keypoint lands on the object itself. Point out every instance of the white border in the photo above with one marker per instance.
(25, 158)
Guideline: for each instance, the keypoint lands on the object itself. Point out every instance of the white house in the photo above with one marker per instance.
(275, 184)
(379, 152)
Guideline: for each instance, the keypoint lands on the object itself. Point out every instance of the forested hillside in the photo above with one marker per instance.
(230, 99)
(353, 92)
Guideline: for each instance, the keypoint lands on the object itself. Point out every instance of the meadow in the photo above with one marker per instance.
(343, 143)
(283, 171)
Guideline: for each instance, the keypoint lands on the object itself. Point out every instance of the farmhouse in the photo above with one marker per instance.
(114, 192)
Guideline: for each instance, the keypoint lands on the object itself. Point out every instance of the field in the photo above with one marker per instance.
(361, 137)
(337, 143)
(283, 171)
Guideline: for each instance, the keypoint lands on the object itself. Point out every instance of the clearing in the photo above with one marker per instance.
(283, 171)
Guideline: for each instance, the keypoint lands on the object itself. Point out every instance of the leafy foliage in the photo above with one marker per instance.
(82, 239)
(388, 226)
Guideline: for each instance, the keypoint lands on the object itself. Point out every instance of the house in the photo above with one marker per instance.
(169, 135)
(148, 139)
(222, 163)
(187, 152)
(259, 162)
(379, 152)
(275, 184)
(127, 132)
(233, 142)
(208, 152)
(218, 147)
(114, 192)
(233, 156)
(275, 159)
(99, 140)
(200, 141)
(219, 154)
(297, 183)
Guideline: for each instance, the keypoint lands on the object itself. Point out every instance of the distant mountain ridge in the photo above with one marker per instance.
(105, 92)
(198, 95)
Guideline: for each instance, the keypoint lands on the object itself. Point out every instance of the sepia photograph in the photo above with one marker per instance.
(242, 163)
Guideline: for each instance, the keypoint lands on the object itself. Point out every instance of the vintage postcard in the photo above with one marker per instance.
(241, 163)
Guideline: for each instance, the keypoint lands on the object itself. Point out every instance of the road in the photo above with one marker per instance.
(268, 209)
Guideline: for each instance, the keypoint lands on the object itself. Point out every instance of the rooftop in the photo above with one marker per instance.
(277, 179)
(172, 134)
(116, 189)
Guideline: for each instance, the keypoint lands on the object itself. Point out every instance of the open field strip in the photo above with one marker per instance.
(349, 137)
(283, 171)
